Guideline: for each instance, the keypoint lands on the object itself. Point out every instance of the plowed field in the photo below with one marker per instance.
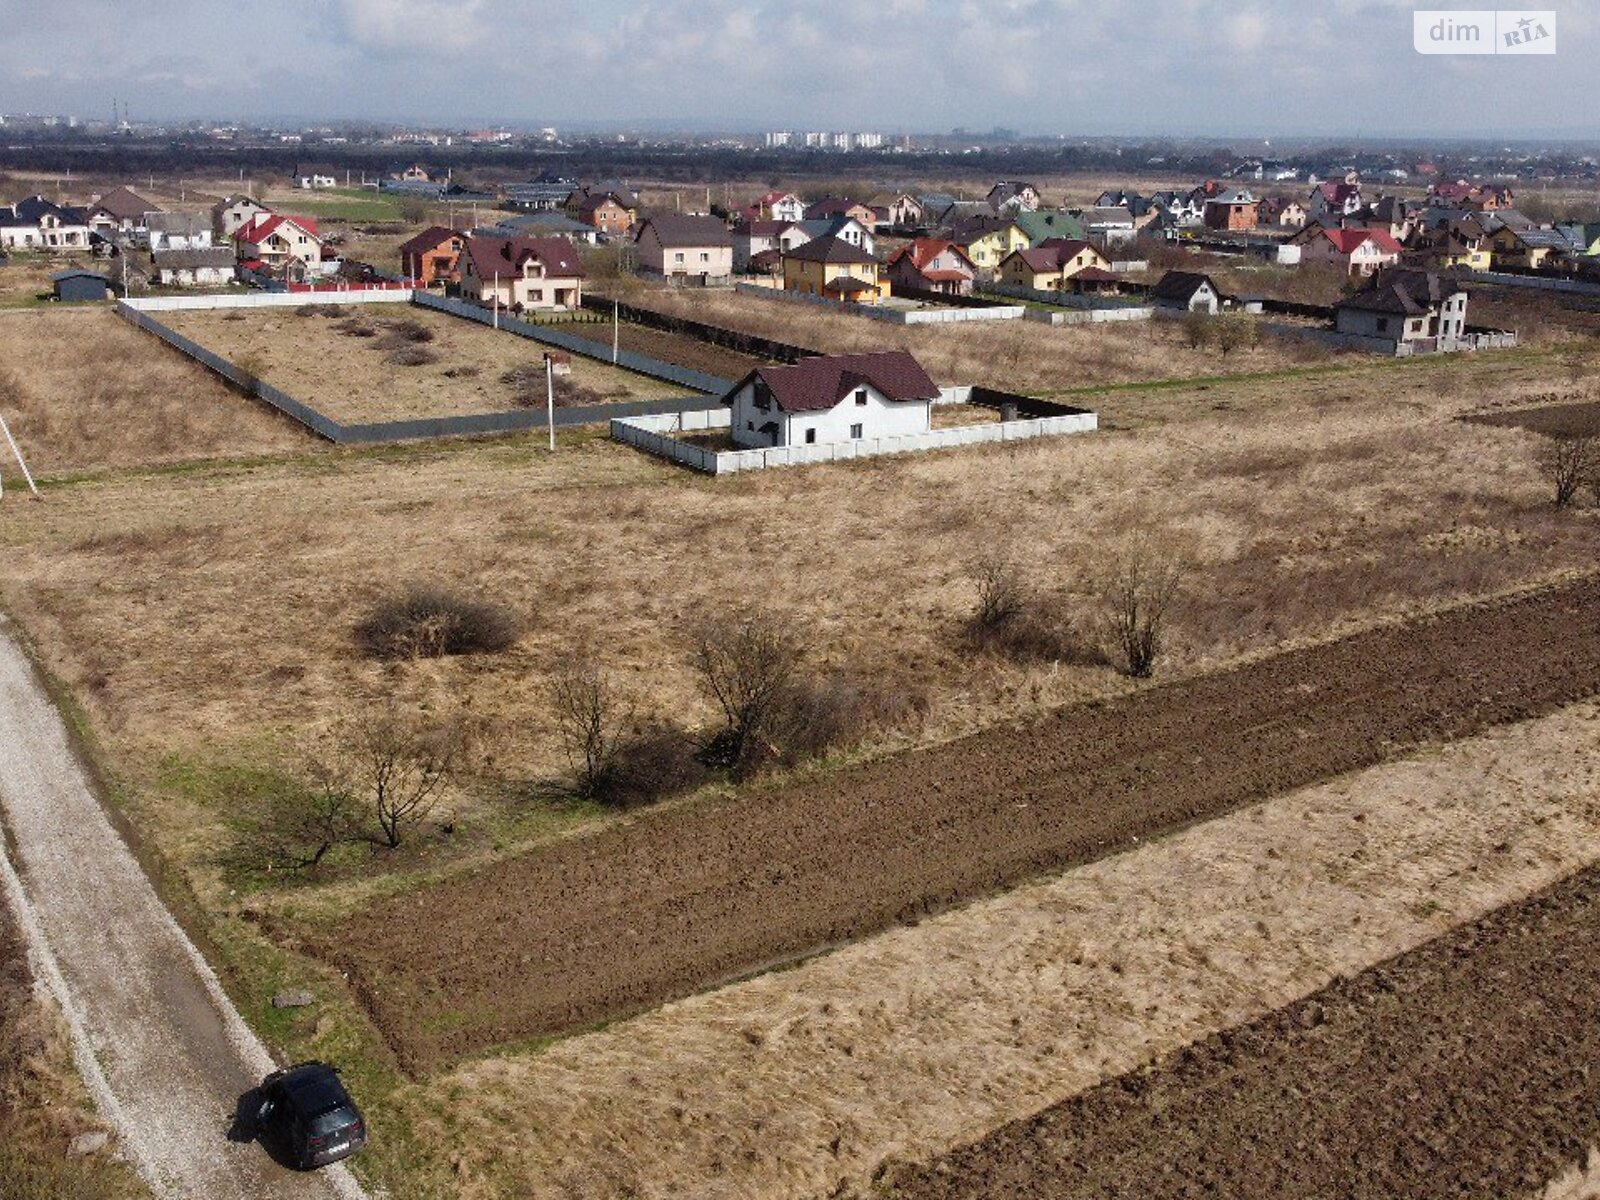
(595, 927)
(1463, 1068)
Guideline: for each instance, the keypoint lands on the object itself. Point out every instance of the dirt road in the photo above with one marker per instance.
(594, 927)
(164, 1053)
(1463, 1068)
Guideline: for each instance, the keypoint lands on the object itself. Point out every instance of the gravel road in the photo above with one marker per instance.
(163, 1051)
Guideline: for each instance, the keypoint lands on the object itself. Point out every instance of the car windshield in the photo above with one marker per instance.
(331, 1122)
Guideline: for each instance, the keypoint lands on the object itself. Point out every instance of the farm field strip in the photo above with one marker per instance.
(1463, 1067)
(923, 1038)
(597, 927)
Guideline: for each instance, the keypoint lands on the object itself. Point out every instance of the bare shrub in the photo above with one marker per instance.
(463, 371)
(841, 710)
(1000, 590)
(233, 314)
(1235, 331)
(649, 764)
(588, 716)
(746, 665)
(409, 331)
(407, 355)
(1198, 327)
(1139, 597)
(308, 310)
(1568, 463)
(527, 384)
(431, 622)
(397, 766)
(357, 328)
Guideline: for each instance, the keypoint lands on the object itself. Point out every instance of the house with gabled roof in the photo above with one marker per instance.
(1012, 196)
(833, 207)
(1405, 307)
(1039, 227)
(1335, 198)
(931, 265)
(178, 231)
(521, 274)
(121, 210)
(39, 224)
(1282, 211)
(612, 208)
(199, 267)
(1051, 266)
(1107, 227)
(1189, 291)
(1530, 248)
(847, 228)
(314, 176)
(1233, 209)
(433, 256)
(1358, 251)
(231, 213)
(834, 269)
(987, 240)
(285, 245)
(901, 210)
(779, 206)
(690, 248)
(832, 398)
(751, 239)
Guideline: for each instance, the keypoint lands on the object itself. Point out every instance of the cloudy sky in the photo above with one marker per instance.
(1079, 67)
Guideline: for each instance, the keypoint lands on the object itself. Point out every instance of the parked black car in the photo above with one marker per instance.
(307, 1113)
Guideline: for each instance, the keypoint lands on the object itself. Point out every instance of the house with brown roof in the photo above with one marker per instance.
(121, 210)
(833, 207)
(522, 274)
(1418, 308)
(834, 269)
(779, 206)
(1051, 266)
(752, 239)
(832, 398)
(433, 256)
(613, 209)
(688, 248)
(931, 265)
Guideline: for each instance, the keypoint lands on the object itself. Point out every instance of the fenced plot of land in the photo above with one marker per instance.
(394, 362)
(678, 349)
(588, 929)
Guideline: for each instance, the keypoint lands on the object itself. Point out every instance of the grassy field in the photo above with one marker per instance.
(315, 356)
(338, 204)
(203, 615)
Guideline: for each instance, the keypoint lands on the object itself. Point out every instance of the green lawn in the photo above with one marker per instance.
(346, 204)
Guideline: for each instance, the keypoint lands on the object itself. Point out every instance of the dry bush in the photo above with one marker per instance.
(409, 331)
(1010, 619)
(233, 314)
(1000, 590)
(1139, 597)
(588, 716)
(840, 711)
(746, 665)
(407, 355)
(527, 382)
(1198, 328)
(1235, 331)
(1568, 463)
(357, 327)
(652, 762)
(395, 766)
(463, 371)
(431, 622)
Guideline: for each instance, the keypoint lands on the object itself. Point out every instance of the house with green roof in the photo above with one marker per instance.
(1040, 227)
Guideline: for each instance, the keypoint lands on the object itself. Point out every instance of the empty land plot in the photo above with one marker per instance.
(1572, 419)
(1461, 1068)
(677, 348)
(591, 928)
(393, 362)
(83, 389)
(924, 1038)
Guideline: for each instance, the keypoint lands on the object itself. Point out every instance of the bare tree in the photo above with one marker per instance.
(589, 720)
(746, 664)
(1197, 327)
(399, 765)
(1567, 463)
(296, 826)
(1139, 599)
(1235, 331)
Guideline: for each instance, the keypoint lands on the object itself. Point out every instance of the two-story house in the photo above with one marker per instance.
(1405, 307)
(834, 269)
(521, 274)
(987, 241)
(433, 256)
(121, 210)
(753, 238)
(1050, 267)
(231, 213)
(931, 265)
(1357, 251)
(687, 248)
(288, 245)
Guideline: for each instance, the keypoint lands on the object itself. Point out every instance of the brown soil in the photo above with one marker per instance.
(1552, 420)
(594, 927)
(1462, 1068)
(670, 347)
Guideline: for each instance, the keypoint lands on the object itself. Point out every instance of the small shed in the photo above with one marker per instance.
(79, 285)
(1187, 290)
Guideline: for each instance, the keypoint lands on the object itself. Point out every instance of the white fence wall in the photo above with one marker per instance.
(268, 299)
(891, 316)
(1090, 316)
(654, 434)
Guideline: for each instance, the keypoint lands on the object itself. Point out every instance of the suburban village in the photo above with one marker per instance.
(567, 661)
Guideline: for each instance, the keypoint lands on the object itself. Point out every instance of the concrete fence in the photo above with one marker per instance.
(889, 315)
(266, 299)
(655, 435)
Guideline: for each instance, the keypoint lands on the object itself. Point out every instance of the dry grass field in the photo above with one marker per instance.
(83, 390)
(343, 362)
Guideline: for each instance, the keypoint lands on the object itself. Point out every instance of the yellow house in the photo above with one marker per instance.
(988, 240)
(1526, 247)
(1475, 257)
(834, 269)
(1049, 267)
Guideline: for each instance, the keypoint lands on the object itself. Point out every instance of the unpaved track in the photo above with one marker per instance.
(1463, 1068)
(164, 1053)
(597, 926)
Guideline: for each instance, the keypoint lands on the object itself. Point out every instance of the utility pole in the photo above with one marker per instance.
(550, 396)
(616, 330)
(497, 299)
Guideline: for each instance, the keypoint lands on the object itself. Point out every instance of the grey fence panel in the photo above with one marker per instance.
(698, 381)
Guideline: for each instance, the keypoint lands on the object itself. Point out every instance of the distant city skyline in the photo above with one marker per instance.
(1256, 68)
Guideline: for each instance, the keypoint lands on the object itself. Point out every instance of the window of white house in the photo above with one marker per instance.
(811, 436)
(678, 257)
(861, 397)
(705, 257)
(855, 431)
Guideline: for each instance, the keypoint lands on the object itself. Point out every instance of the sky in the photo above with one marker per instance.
(1228, 68)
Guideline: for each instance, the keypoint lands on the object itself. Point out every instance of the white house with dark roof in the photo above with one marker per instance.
(694, 248)
(521, 273)
(1406, 307)
(832, 398)
(178, 231)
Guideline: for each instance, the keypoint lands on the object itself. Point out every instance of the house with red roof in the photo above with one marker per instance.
(1335, 198)
(779, 206)
(521, 274)
(1358, 251)
(931, 265)
(290, 246)
(832, 398)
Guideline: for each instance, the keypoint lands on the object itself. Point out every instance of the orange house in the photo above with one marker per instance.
(433, 256)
